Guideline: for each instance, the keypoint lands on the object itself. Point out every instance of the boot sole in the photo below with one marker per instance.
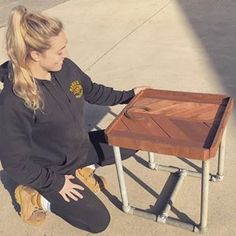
(19, 201)
(17, 195)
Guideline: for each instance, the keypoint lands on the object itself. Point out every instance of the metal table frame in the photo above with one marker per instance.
(205, 176)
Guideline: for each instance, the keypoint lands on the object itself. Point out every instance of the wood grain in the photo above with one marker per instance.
(175, 123)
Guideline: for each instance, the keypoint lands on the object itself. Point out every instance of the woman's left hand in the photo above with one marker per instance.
(140, 88)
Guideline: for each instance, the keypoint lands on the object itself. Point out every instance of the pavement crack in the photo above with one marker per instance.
(127, 35)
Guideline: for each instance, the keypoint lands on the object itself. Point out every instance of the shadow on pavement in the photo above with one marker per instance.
(162, 198)
(214, 24)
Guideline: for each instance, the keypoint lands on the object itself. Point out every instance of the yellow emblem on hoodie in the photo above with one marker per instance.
(76, 88)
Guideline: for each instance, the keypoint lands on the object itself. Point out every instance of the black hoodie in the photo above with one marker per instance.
(38, 149)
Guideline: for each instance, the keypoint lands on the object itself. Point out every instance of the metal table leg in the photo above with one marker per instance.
(151, 162)
(120, 173)
(204, 195)
(221, 158)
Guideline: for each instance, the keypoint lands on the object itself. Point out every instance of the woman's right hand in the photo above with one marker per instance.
(70, 190)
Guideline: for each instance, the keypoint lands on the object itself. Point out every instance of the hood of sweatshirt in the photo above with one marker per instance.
(4, 71)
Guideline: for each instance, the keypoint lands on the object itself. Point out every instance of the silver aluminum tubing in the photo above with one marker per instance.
(144, 214)
(120, 173)
(151, 163)
(170, 201)
(181, 224)
(204, 195)
(173, 169)
(221, 157)
(168, 220)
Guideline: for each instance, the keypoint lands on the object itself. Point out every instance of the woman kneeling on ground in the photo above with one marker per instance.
(44, 144)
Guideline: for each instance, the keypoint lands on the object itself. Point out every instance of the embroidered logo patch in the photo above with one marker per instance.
(76, 88)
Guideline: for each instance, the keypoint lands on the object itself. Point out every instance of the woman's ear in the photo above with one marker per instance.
(35, 55)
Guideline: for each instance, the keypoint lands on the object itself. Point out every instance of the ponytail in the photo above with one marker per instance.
(27, 32)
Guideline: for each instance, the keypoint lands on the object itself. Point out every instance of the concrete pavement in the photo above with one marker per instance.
(175, 45)
(39, 5)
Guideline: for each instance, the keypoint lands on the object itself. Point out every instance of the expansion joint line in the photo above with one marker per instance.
(127, 35)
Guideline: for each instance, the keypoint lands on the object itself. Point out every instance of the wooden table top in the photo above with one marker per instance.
(181, 124)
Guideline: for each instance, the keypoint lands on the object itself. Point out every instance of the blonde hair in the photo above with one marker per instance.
(27, 32)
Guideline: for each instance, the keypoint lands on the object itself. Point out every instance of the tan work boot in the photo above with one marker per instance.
(93, 182)
(31, 210)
